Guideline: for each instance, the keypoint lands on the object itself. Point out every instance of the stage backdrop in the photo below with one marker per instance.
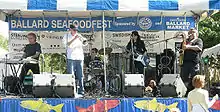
(51, 42)
(98, 105)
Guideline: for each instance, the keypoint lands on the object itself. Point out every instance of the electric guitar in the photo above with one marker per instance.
(145, 60)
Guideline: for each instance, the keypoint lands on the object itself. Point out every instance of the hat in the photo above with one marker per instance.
(74, 27)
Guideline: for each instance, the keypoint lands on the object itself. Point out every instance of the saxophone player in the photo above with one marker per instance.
(192, 54)
(74, 43)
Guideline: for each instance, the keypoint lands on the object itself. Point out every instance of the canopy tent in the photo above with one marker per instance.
(113, 8)
(215, 50)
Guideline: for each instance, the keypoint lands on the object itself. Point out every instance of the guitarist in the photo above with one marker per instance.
(138, 47)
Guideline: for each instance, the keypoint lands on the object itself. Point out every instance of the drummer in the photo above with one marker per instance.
(94, 56)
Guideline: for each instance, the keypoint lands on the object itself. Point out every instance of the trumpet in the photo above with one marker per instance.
(83, 39)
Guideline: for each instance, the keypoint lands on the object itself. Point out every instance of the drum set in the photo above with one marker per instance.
(94, 75)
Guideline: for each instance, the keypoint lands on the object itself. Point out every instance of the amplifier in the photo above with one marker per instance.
(134, 85)
(171, 85)
(64, 85)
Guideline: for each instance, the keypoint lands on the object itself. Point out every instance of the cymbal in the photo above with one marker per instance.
(108, 50)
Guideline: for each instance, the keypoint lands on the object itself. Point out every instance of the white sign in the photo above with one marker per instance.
(51, 42)
(116, 40)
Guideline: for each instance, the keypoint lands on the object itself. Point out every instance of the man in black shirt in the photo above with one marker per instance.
(138, 47)
(32, 50)
(191, 59)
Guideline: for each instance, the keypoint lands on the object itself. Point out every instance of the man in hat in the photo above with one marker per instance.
(74, 45)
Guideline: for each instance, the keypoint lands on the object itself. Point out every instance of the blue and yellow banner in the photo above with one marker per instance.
(98, 105)
(110, 23)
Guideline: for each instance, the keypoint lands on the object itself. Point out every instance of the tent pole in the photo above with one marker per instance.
(103, 37)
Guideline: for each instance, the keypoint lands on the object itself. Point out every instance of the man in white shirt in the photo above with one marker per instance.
(74, 45)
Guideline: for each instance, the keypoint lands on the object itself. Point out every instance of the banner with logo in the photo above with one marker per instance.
(51, 42)
(119, 40)
(95, 23)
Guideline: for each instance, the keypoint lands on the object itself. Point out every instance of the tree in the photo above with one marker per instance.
(3, 42)
(209, 30)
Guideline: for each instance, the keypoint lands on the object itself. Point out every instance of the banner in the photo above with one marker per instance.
(51, 42)
(100, 105)
(110, 23)
(119, 40)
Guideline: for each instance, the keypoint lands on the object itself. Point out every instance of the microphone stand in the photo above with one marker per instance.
(3, 76)
(53, 92)
(132, 51)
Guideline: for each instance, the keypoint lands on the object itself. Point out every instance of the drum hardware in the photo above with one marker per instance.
(96, 67)
(17, 85)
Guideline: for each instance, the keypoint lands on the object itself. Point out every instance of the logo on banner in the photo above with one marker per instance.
(145, 23)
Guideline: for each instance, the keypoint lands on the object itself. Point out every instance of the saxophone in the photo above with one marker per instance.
(182, 51)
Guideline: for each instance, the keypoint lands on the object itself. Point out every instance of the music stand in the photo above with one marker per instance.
(53, 93)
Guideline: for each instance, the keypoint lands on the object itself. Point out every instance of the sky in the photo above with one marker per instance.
(4, 29)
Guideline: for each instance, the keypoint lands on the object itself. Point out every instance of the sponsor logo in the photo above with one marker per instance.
(145, 23)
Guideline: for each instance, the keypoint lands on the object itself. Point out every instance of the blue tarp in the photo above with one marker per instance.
(91, 105)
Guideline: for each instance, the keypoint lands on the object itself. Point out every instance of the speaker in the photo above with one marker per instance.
(134, 85)
(165, 63)
(63, 85)
(171, 85)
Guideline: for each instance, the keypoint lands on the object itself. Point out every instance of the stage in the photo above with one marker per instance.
(95, 105)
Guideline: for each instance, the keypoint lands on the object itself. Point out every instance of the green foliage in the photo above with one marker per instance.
(56, 62)
(3, 43)
(209, 30)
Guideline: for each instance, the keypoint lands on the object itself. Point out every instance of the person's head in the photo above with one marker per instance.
(135, 35)
(193, 33)
(175, 110)
(94, 51)
(152, 83)
(73, 28)
(32, 38)
(198, 81)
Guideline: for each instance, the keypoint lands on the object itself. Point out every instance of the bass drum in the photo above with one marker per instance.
(90, 83)
(96, 66)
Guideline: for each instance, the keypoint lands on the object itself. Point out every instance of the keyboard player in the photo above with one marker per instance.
(31, 51)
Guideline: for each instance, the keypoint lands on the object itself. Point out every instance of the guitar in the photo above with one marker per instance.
(145, 60)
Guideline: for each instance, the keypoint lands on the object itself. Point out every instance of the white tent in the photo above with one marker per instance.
(215, 50)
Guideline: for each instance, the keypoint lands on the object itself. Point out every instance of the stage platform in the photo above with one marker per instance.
(95, 105)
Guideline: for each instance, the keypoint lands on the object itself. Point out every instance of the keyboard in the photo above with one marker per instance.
(9, 61)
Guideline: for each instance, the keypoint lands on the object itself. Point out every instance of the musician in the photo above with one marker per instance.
(31, 50)
(74, 44)
(94, 56)
(191, 59)
(138, 47)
